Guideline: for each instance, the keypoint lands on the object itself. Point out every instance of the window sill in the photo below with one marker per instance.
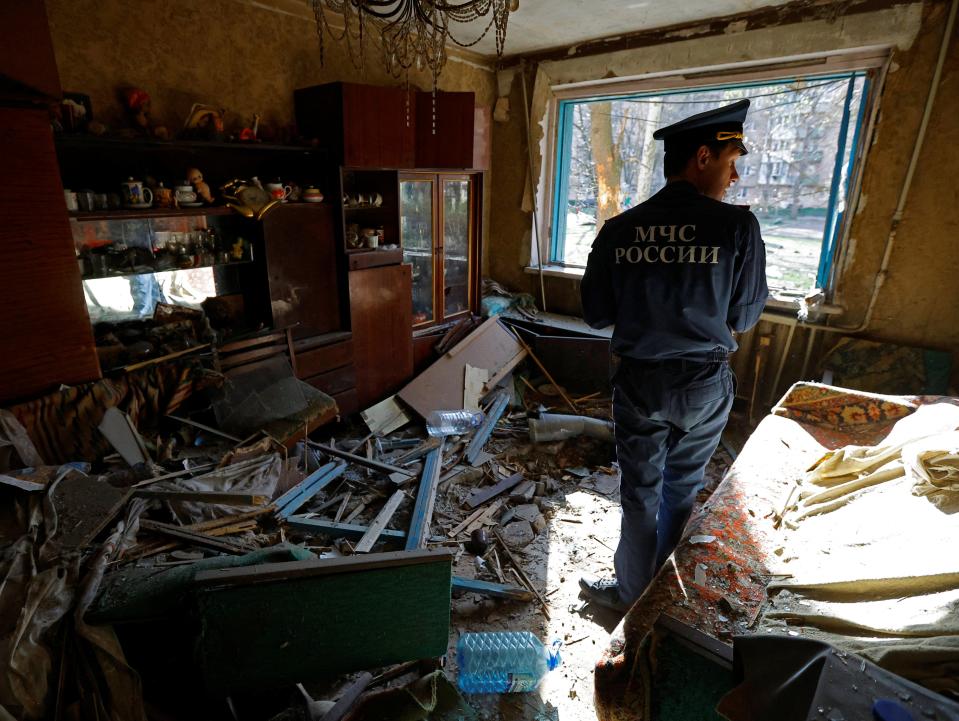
(774, 304)
(557, 271)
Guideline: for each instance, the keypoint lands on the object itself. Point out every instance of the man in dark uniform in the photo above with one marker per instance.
(676, 276)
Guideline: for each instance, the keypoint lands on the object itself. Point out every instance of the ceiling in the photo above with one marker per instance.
(544, 24)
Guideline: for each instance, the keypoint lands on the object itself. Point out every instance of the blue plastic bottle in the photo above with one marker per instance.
(503, 661)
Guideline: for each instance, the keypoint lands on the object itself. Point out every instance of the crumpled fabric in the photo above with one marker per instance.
(44, 591)
(924, 448)
(35, 596)
(256, 476)
(866, 563)
(933, 464)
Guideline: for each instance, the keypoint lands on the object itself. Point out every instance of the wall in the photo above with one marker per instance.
(244, 56)
(917, 304)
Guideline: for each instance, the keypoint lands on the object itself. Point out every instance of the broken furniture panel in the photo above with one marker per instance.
(578, 360)
(283, 623)
(440, 387)
(262, 392)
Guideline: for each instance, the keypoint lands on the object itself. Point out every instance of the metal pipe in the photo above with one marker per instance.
(910, 172)
(809, 345)
(532, 187)
(559, 427)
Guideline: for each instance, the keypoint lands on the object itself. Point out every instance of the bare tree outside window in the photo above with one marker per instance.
(793, 131)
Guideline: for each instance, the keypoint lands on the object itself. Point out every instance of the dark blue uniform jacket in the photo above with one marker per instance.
(676, 275)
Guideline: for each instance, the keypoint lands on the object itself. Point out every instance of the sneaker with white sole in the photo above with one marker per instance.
(603, 592)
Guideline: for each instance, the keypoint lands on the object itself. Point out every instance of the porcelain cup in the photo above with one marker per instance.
(278, 191)
(184, 194)
(135, 193)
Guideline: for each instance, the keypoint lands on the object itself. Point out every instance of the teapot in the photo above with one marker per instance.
(248, 199)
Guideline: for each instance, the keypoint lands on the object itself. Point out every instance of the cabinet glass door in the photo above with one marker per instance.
(416, 235)
(457, 213)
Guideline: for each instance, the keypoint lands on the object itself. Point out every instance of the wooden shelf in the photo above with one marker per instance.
(133, 214)
(133, 144)
(164, 270)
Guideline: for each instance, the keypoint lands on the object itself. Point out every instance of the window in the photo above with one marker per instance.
(607, 162)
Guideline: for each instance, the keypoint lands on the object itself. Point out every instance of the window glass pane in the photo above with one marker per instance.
(416, 233)
(609, 162)
(135, 296)
(130, 265)
(456, 244)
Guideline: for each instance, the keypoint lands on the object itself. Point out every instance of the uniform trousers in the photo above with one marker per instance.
(669, 416)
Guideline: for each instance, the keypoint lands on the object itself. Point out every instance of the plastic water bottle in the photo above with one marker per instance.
(452, 423)
(503, 661)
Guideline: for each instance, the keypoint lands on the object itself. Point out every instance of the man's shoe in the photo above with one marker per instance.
(603, 592)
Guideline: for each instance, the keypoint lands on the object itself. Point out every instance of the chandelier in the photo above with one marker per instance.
(410, 34)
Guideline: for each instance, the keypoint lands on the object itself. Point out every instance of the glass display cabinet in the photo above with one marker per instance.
(130, 262)
(439, 233)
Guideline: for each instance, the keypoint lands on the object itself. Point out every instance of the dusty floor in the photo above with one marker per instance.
(582, 516)
(577, 494)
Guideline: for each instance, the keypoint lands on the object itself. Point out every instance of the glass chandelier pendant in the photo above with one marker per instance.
(408, 31)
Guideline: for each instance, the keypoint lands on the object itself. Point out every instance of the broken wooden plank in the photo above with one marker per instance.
(521, 573)
(505, 370)
(193, 538)
(356, 512)
(203, 427)
(120, 431)
(385, 417)
(229, 498)
(546, 373)
(483, 433)
(348, 698)
(343, 506)
(474, 517)
(336, 529)
(425, 498)
(480, 496)
(372, 534)
(360, 460)
(419, 451)
(473, 382)
(488, 588)
(294, 498)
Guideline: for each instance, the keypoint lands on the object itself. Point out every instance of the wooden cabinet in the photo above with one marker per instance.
(326, 363)
(300, 245)
(370, 202)
(47, 338)
(366, 126)
(382, 330)
(444, 130)
(26, 50)
(439, 233)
